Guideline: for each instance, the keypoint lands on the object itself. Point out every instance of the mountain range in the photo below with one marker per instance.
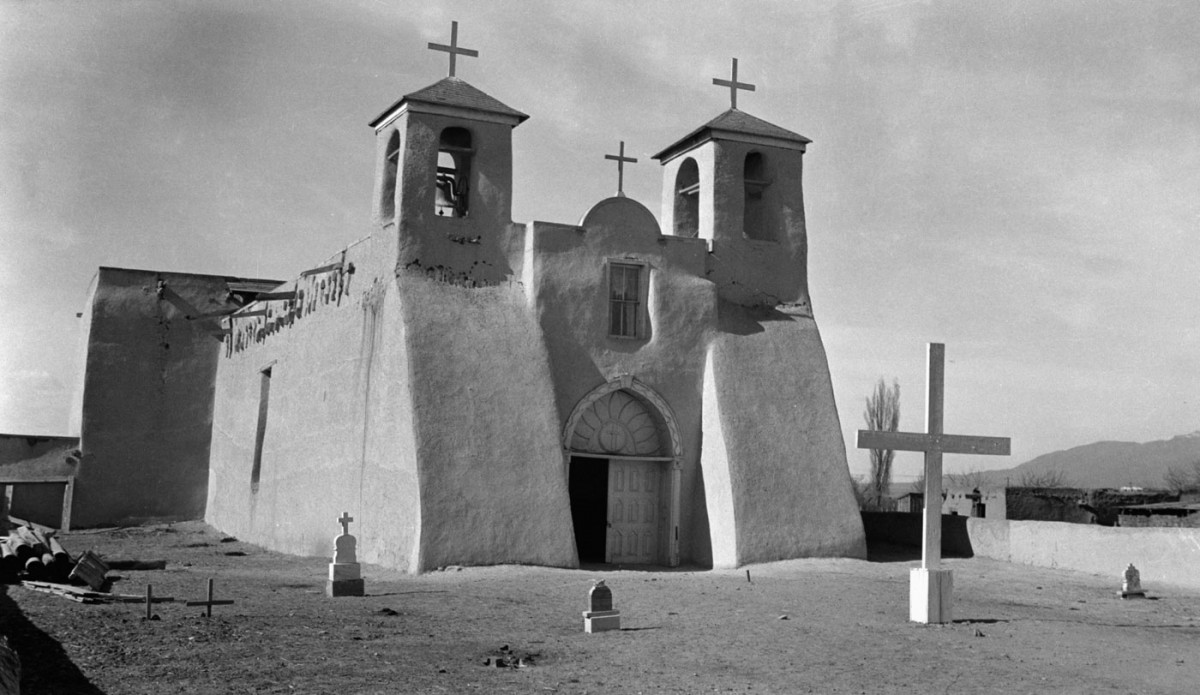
(1104, 464)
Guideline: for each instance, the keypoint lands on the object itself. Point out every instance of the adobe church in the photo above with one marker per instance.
(477, 391)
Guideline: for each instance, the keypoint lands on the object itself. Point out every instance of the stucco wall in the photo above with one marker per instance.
(337, 433)
(1164, 556)
(570, 286)
(767, 390)
(146, 407)
(490, 463)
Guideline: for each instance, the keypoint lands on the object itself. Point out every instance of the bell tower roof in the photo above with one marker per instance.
(454, 94)
(736, 125)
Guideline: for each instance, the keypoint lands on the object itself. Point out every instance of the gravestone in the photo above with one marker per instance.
(345, 574)
(1131, 586)
(600, 615)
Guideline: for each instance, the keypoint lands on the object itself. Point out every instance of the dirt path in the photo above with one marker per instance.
(819, 626)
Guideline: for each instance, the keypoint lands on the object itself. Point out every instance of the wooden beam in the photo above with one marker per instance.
(322, 269)
(944, 443)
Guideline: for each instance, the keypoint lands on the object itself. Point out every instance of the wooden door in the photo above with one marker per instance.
(635, 512)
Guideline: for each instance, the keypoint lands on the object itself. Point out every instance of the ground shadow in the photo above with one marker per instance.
(897, 536)
(978, 621)
(45, 667)
(617, 567)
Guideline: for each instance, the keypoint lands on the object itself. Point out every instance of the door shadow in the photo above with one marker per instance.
(45, 667)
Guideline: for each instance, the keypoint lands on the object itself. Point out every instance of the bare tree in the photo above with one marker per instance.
(1183, 478)
(1049, 478)
(970, 480)
(883, 414)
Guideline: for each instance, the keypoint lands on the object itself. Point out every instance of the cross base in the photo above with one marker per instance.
(601, 621)
(345, 587)
(930, 596)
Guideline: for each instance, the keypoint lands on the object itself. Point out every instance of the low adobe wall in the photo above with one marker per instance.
(1162, 555)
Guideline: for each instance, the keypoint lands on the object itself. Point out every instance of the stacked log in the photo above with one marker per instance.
(33, 554)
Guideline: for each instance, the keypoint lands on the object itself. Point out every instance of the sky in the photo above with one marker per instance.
(1017, 180)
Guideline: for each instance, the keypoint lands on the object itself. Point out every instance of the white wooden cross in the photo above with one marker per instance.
(453, 48)
(734, 86)
(620, 159)
(345, 520)
(932, 586)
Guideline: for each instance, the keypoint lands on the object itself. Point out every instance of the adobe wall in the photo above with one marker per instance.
(568, 273)
(490, 463)
(775, 470)
(146, 399)
(338, 430)
(1164, 556)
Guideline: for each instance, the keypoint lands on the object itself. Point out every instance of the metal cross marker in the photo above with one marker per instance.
(733, 85)
(453, 48)
(210, 602)
(620, 159)
(345, 520)
(933, 443)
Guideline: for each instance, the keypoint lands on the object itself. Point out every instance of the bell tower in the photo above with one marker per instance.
(443, 182)
(737, 182)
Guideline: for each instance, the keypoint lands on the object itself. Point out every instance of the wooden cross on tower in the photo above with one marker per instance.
(620, 159)
(453, 48)
(733, 85)
(930, 602)
(345, 520)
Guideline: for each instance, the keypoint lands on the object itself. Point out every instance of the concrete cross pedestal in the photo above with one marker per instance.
(931, 587)
(345, 574)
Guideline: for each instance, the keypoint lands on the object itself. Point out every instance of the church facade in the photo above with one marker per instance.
(477, 391)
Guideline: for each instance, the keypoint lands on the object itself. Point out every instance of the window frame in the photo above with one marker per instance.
(616, 306)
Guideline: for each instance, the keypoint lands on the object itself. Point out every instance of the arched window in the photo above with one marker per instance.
(687, 199)
(755, 222)
(453, 173)
(387, 204)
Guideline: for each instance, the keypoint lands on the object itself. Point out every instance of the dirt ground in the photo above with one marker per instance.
(804, 626)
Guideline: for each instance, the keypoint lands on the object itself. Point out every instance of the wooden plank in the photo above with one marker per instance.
(943, 443)
(247, 314)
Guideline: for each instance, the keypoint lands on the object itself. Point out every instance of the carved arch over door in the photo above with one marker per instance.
(606, 395)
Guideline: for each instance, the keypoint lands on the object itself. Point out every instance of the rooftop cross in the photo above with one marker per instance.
(345, 520)
(453, 48)
(733, 85)
(934, 443)
(620, 159)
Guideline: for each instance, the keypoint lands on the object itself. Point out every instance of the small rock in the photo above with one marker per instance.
(978, 632)
(782, 617)
(387, 611)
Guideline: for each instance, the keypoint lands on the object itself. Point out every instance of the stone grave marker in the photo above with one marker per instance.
(1131, 585)
(345, 574)
(600, 615)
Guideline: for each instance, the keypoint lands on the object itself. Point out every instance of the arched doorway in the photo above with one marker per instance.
(622, 453)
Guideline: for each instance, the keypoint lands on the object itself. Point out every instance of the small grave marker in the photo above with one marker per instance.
(1131, 586)
(345, 574)
(208, 604)
(600, 615)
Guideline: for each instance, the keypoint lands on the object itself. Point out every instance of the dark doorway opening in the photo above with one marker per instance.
(588, 487)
